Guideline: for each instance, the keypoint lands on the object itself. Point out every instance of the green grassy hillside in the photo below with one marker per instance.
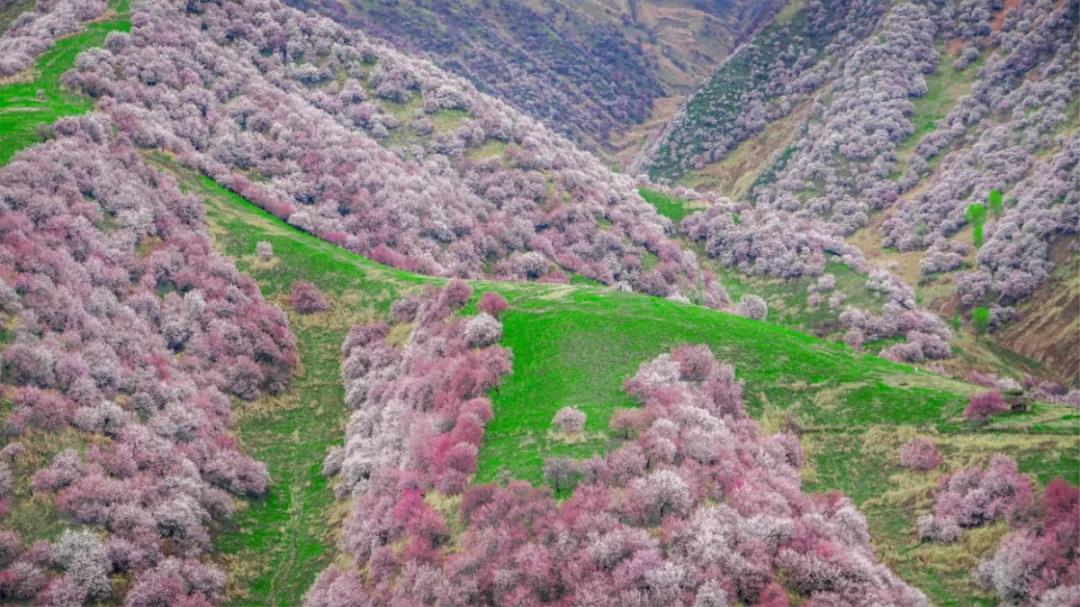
(575, 345)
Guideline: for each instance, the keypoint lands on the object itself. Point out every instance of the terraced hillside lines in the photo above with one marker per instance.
(27, 108)
(1049, 328)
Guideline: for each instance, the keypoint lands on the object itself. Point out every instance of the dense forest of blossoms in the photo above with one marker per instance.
(127, 335)
(35, 31)
(1009, 133)
(698, 507)
(763, 80)
(1018, 108)
(312, 122)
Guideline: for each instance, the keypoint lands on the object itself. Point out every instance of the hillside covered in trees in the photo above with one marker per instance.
(290, 315)
(938, 138)
(592, 70)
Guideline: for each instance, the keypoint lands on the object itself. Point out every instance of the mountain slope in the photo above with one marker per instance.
(11, 9)
(123, 329)
(590, 69)
(941, 139)
(761, 82)
(576, 345)
(457, 183)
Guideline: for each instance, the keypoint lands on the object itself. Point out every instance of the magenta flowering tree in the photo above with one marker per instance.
(306, 298)
(492, 303)
(570, 420)
(985, 405)
(976, 496)
(272, 121)
(1039, 563)
(920, 454)
(752, 306)
(482, 330)
(35, 31)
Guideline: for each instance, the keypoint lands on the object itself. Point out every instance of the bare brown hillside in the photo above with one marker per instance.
(1049, 328)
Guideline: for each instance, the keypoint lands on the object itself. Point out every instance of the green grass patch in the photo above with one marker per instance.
(444, 121)
(579, 349)
(276, 546)
(789, 300)
(864, 464)
(671, 207)
(27, 108)
(404, 111)
(492, 148)
(572, 345)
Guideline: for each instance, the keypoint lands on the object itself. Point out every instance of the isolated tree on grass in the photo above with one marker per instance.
(492, 303)
(482, 330)
(570, 420)
(983, 406)
(306, 298)
(920, 454)
(752, 306)
(264, 250)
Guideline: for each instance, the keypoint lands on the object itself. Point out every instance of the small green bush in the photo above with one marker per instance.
(995, 202)
(976, 216)
(980, 317)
